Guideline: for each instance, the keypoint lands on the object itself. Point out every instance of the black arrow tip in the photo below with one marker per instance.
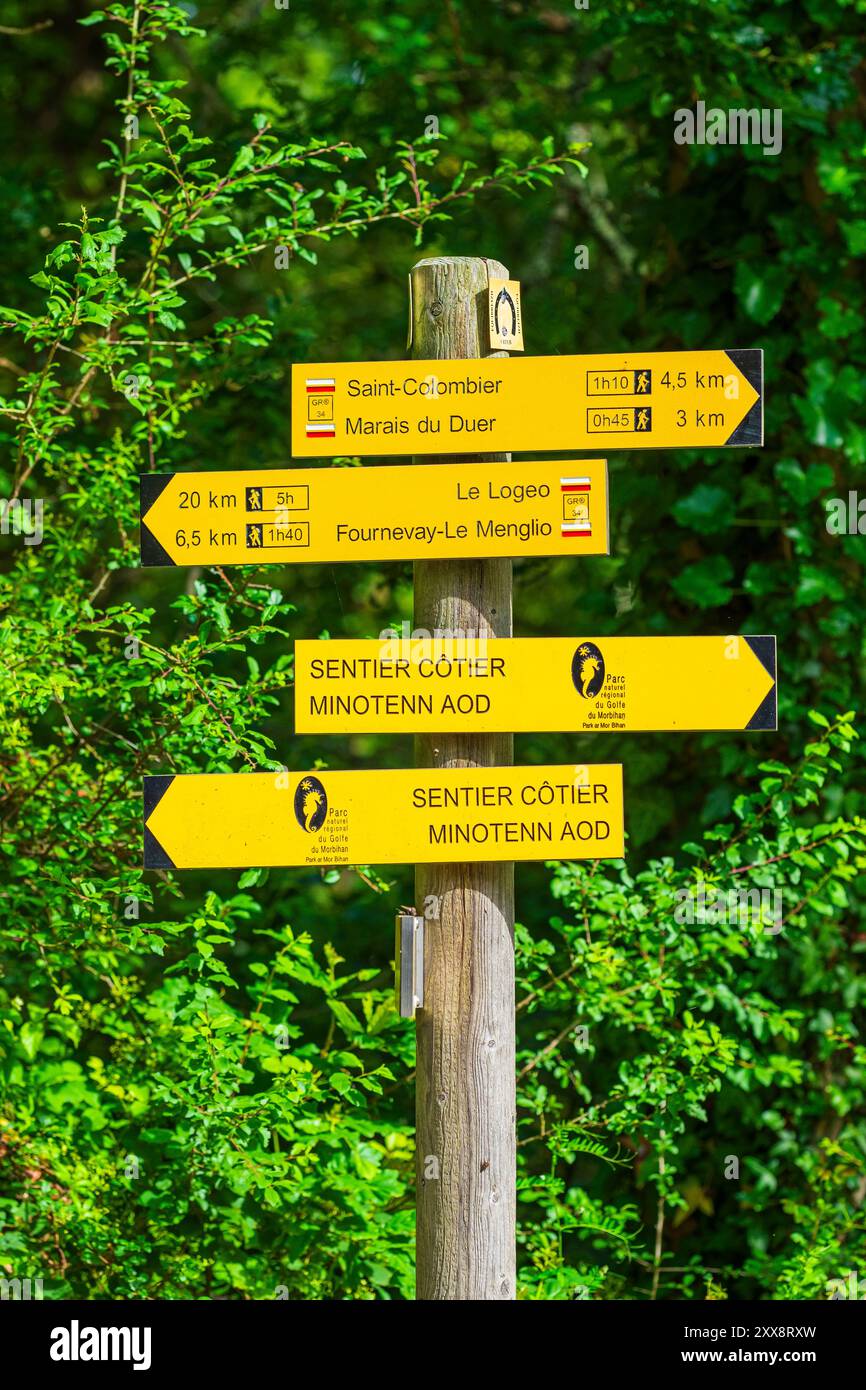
(155, 856)
(766, 716)
(150, 486)
(750, 431)
(154, 789)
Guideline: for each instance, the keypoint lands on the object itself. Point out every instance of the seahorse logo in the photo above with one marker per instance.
(588, 670)
(311, 804)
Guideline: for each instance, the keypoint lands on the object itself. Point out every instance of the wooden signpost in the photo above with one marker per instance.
(464, 814)
(317, 515)
(465, 1088)
(633, 400)
(535, 684)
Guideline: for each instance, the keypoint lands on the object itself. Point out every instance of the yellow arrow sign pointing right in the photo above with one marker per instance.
(535, 685)
(604, 401)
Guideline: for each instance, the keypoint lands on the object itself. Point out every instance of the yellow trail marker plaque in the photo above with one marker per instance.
(535, 684)
(394, 817)
(632, 400)
(312, 515)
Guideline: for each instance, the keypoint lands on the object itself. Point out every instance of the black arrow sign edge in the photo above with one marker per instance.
(750, 430)
(766, 716)
(151, 485)
(153, 790)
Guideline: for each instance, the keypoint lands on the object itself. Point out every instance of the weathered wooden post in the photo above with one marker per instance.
(465, 1032)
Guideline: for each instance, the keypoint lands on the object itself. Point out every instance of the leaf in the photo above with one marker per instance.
(760, 287)
(344, 1016)
(804, 485)
(706, 583)
(706, 509)
(31, 1038)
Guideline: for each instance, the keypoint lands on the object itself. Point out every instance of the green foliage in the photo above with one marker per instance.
(683, 1036)
(175, 1135)
(204, 1090)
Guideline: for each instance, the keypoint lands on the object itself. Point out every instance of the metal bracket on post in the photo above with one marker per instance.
(409, 964)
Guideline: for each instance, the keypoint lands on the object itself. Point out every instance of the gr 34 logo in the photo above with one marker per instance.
(311, 804)
(588, 670)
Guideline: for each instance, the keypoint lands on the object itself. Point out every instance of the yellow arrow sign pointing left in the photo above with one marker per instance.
(401, 816)
(535, 684)
(429, 511)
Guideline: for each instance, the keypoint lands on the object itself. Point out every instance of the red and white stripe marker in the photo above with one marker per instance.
(320, 386)
(568, 486)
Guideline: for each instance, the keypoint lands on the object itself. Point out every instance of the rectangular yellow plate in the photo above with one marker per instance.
(408, 512)
(632, 400)
(535, 684)
(393, 817)
(505, 318)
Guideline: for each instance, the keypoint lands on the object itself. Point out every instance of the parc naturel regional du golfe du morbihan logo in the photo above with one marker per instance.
(588, 670)
(311, 804)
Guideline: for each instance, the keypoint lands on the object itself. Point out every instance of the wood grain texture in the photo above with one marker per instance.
(465, 1099)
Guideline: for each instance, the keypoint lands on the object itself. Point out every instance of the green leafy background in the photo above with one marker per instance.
(213, 1097)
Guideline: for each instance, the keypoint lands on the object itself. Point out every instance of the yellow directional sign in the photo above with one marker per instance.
(632, 400)
(536, 684)
(427, 815)
(429, 511)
